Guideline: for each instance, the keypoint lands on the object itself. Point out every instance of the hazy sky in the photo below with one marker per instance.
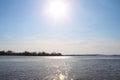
(93, 26)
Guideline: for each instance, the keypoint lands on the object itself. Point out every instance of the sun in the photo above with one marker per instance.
(57, 9)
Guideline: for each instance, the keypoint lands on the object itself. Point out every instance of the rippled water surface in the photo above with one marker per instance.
(59, 68)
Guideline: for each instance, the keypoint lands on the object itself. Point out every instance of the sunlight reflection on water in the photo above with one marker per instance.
(59, 57)
(60, 69)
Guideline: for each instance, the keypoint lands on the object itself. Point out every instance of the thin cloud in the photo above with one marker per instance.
(103, 46)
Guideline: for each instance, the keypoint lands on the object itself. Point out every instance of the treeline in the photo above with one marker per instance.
(26, 53)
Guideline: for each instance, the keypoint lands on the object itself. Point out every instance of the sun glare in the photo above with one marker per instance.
(57, 9)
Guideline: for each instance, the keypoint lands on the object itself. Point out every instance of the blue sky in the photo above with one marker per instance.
(94, 27)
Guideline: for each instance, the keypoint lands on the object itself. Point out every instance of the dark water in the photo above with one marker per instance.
(59, 68)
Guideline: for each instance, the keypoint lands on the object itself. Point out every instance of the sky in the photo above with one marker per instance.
(89, 27)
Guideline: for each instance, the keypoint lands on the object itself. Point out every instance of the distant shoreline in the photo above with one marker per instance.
(26, 53)
(92, 55)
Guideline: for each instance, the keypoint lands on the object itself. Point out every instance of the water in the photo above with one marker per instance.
(59, 68)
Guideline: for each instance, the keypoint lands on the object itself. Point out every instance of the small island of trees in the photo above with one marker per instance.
(26, 53)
